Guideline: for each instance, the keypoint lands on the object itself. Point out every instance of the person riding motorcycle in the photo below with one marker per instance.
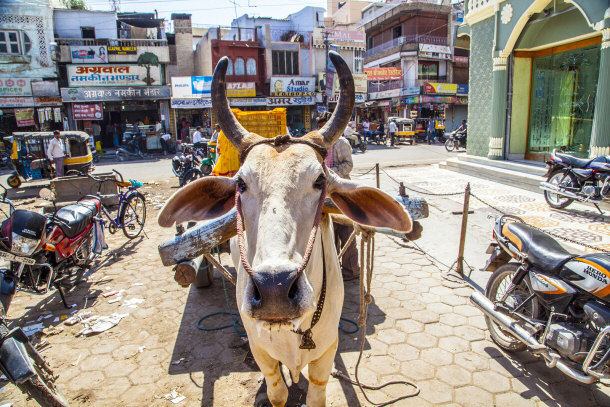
(352, 135)
(462, 131)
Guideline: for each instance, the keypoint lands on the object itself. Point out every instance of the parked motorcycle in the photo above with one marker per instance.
(455, 141)
(354, 140)
(205, 156)
(572, 179)
(129, 148)
(548, 301)
(185, 166)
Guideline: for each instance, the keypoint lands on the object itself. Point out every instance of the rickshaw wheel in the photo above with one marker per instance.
(13, 181)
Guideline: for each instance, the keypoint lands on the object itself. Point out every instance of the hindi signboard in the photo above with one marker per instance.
(15, 87)
(91, 111)
(94, 54)
(102, 94)
(383, 74)
(25, 117)
(113, 75)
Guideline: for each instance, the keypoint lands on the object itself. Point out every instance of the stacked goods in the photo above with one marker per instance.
(267, 124)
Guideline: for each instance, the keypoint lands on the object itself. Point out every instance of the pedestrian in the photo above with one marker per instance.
(392, 132)
(366, 130)
(339, 159)
(430, 131)
(115, 134)
(56, 153)
(96, 130)
(165, 142)
(197, 137)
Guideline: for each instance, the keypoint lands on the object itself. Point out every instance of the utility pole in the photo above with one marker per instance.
(326, 33)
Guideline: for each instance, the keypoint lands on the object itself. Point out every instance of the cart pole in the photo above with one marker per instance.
(460, 259)
(377, 174)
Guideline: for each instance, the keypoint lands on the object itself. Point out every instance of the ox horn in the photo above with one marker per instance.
(232, 129)
(343, 112)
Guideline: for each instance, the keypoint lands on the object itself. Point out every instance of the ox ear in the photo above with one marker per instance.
(368, 206)
(205, 198)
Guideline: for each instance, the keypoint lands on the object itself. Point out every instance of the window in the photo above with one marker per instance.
(240, 66)
(285, 62)
(369, 43)
(358, 54)
(230, 67)
(251, 66)
(397, 32)
(27, 44)
(87, 32)
(9, 42)
(427, 70)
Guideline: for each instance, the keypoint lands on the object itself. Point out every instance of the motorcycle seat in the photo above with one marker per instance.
(573, 161)
(542, 250)
(74, 218)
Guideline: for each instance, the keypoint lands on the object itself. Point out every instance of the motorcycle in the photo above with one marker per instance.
(129, 148)
(206, 158)
(355, 141)
(572, 179)
(184, 166)
(548, 301)
(455, 141)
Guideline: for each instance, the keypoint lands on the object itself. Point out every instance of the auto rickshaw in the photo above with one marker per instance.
(404, 129)
(29, 155)
(421, 124)
(439, 130)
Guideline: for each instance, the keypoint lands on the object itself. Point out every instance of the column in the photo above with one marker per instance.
(600, 134)
(498, 109)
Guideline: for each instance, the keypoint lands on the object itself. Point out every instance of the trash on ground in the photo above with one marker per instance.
(141, 349)
(72, 306)
(53, 330)
(47, 316)
(133, 303)
(62, 317)
(32, 329)
(75, 319)
(178, 399)
(56, 319)
(137, 284)
(110, 294)
(112, 301)
(99, 324)
(77, 360)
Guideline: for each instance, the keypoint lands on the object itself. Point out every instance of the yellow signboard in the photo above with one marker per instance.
(241, 89)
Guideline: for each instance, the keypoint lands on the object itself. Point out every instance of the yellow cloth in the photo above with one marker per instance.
(267, 124)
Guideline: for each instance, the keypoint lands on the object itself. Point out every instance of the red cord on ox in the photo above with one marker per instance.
(243, 255)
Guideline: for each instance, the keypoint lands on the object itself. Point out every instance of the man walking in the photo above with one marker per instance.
(392, 132)
(55, 152)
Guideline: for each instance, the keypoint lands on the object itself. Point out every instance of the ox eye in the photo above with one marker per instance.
(319, 183)
(241, 185)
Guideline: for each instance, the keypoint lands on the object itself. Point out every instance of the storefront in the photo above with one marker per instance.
(297, 95)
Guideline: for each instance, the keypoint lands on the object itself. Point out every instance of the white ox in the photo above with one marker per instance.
(280, 186)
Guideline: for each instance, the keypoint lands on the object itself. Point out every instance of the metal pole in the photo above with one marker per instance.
(326, 33)
(460, 259)
(377, 174)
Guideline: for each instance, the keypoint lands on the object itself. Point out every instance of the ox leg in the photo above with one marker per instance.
(277, 392)
(319, 373)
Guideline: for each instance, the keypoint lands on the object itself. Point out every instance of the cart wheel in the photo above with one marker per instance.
(13, 181)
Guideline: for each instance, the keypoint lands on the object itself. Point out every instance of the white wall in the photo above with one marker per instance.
(69, 22)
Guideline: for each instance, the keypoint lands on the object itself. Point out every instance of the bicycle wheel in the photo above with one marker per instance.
(133, 215)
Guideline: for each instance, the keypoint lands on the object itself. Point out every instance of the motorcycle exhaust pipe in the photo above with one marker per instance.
(555, 189)
(520, 333)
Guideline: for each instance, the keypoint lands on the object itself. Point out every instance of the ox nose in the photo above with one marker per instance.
(276, 296)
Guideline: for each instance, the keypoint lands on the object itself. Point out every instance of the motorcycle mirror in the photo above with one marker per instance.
(46, 193)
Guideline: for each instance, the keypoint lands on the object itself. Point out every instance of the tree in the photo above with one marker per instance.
(75, 4)
(147, 59)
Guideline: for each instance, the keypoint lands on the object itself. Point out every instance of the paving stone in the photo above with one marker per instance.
(469, 333)
(467, 310)
(390, 336)
(403, 352)
(399, 313)
(95, 362)
(513, 400)
(425, 317)
(417, 370)
(486, 348)
(410, 326)
(437, 357)
(435, 391)
(422, 340)
(454, 344)
(491, 381)
(439, 308)
(454, 375)
(454, 300)
(471, 361)
(383, 365)
(453, 319)
(473, 397)
(438, 330)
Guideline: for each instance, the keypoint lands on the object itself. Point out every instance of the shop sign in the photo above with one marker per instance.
(360, 83)
(248, 102)
(241, 89)
(383, 74)
(191, 86)
(205, 103)
(25, 117)
(15, 87)
(410, 100)
(435, 51)
(462, 90)
(444, 88)
(321, 108)
(437, 99)
(45, 101)
(337, 35)
(293, 86)
(122, 50)
(16, 102)
(460, 61)
(109, 94)
(410, 90)
(413, 114)
(94, 54)
(45, 89)
(91, 111)
(113, 75)
(385, 94)
(360, 98)
(294, 101)
(461, 100)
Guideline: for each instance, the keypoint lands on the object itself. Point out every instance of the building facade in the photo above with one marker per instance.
(29, 93)
(539, 78)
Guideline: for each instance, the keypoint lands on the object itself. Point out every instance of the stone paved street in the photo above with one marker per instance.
(421, 327)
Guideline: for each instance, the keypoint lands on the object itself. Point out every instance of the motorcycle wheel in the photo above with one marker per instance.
(133, 215)
(204, 275)
(96, 158)
(557, 201)
(496, 288)
(13, 181)
(41, 387)
(121, 157)
(206, 169)
(450, 145)
(362, 147)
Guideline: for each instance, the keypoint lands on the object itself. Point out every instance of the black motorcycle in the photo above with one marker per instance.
(20, 362)
(455, 141)
(548, 301)
(572, 179)
(185, 166)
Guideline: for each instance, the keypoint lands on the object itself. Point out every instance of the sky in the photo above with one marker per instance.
(210, 12)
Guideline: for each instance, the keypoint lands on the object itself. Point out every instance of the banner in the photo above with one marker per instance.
(107, 94)
(360, 83)
(46, 101)
(15, 87)
(204, 103)
(25, 117)
(94, 54)
(337, 35)
(16, 102)
(444, 88)
(434, 51)
(122, 50)
(191, 86)
(93, 111)
(383, 74)
(241, 89)
(113, 75)
(45, 88)
(462, 90)
(288, 101)
(292, 86)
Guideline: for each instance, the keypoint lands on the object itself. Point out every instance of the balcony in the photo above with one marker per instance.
(157, 47)
(289, 35)
(384, 85)
(407, 39)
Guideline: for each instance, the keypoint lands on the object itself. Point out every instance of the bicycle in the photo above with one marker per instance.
(131, 210)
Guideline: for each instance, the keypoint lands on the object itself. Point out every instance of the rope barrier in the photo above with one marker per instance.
(362, 174)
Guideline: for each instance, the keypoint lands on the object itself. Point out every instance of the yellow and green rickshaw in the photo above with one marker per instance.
(405, 129)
